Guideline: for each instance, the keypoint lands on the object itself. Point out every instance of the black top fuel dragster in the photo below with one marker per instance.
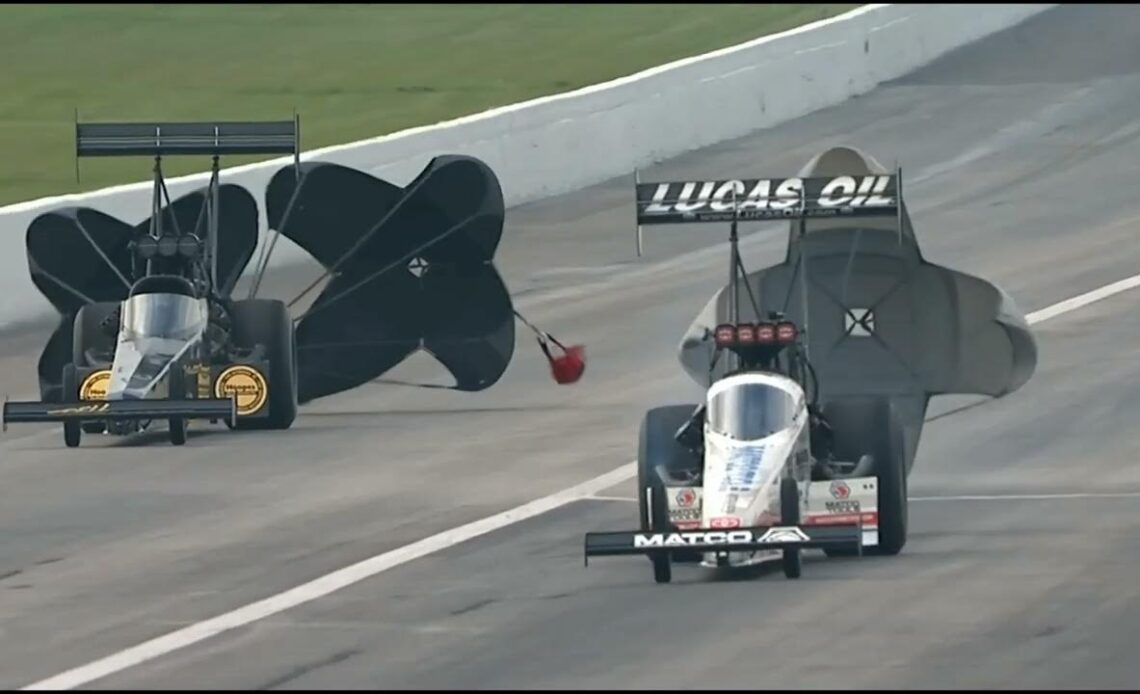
(150, 326)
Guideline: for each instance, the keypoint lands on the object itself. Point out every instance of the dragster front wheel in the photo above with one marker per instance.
(72, 429)
(790, 515)
(72, 434)
(178, 427)
(662, 568)
(177, 391)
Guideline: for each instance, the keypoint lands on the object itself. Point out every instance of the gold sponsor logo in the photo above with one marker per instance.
(83, 409)
(201, 373)
(95, 385)
(246, 385)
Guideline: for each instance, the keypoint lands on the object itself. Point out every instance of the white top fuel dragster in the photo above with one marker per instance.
(784, 452)
(752, 472)
(735, 483)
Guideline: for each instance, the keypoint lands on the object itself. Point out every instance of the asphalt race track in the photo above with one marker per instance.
(1021, 162)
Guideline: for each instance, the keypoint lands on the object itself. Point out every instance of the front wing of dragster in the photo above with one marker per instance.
(119, 410)
(206, 383)
(848, 536)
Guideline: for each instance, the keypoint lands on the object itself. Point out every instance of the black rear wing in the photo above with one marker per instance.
(766, 199)
(160, 139)
(212, 139)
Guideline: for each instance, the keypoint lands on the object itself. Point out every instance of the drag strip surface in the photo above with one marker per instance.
(1017, 154)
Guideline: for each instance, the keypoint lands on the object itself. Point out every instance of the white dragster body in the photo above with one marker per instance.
(756, 432)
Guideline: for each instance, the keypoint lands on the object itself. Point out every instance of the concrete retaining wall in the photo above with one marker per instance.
(562, 143)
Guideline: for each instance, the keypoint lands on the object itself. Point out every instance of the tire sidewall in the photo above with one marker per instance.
(267, 322)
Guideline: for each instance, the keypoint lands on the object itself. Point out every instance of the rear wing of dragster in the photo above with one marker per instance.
(766, 199)
(214, 139)
(187, 139)
(847, 536)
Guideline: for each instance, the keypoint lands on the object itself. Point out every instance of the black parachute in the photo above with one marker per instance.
(411, 268)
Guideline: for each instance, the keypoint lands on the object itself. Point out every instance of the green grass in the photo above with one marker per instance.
(351, 71)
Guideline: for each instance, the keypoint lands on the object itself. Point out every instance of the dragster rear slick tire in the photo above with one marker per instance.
(790, 515)
(267, 322)
(890, 471)
(657, 447)
(72, 430)
(868, 425)
(893, 500)
(93, 332)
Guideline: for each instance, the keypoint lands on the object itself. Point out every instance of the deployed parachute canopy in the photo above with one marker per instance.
(411, 268)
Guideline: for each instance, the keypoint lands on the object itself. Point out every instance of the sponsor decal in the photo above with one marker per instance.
(682, 515)
(777, 535)
(685, 507)
(742, 470)
(94, 387)
(866, 518)
(246, 385)
(786, 534)
(725, 522)
(843, 506)
(765, 198)
(839, 489)
(83, 409)
(201, 374)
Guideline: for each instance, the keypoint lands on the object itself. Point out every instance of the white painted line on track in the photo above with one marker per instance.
(963, 497)
(1063, 307)
(342, 578)
(327, 584)
(1031, 497)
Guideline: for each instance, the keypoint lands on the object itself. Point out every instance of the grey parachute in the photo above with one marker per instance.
(879, 319)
